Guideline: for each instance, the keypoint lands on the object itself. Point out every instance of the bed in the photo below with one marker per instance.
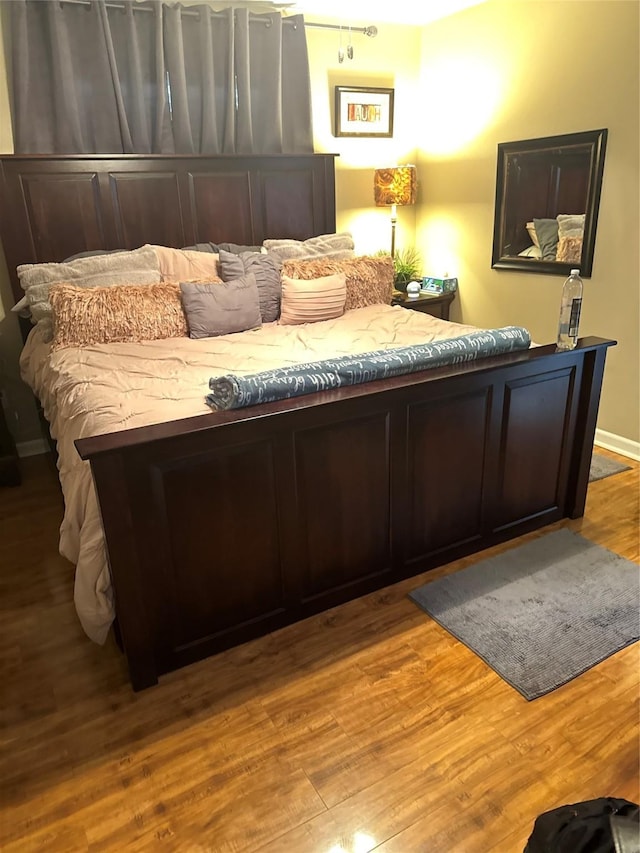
(219, 526)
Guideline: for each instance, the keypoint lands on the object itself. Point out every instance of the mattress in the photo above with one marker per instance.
(109, 387)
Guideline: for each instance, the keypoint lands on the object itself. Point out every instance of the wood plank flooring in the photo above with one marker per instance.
(365, 728)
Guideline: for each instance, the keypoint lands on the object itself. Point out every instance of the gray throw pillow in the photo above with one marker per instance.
(221, 308)
(547, 232)
(266, 270)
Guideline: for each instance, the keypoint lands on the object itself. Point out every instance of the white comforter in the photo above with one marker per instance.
(110, 387)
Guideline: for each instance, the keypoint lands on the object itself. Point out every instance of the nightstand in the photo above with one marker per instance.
(436, 304)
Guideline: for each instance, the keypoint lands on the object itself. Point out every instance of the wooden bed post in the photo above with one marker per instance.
(111, 484)
(590, 389)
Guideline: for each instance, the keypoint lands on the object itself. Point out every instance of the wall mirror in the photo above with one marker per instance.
(547, 200)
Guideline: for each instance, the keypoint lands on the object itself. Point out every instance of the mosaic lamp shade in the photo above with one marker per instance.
(397, 185)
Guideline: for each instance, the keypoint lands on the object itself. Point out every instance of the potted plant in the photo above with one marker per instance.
(407, 266)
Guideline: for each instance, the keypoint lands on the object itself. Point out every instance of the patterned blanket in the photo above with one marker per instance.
(235, 392)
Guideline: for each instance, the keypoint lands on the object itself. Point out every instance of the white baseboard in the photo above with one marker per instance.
(32, 448)
(623, 446)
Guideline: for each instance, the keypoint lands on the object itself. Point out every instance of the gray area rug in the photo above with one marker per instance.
(542, 613)
(603, 466)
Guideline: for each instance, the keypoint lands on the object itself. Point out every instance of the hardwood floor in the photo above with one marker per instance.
(365, 728)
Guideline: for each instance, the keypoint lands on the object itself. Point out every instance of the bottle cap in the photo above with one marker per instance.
(575, 272)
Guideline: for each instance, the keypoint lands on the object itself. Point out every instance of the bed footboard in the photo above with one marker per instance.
(226, 526)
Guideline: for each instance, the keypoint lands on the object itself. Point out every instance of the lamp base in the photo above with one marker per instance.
(394, 219)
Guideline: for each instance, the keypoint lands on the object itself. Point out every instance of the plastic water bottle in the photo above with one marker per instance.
(570, 311)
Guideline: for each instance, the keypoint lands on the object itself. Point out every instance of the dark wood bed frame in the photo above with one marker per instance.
(223, 527)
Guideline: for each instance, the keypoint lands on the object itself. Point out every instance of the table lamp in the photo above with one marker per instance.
(395, 186)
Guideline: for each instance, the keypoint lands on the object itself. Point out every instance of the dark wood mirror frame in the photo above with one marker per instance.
(541, 178)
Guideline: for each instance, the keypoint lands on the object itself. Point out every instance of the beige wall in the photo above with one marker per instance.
(501, 71)
(388, 60)
(505, 71)
(482, 76)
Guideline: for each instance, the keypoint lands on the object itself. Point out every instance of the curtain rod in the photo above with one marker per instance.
(367, 31)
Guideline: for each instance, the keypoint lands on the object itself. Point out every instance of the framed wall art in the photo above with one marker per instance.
(363, 111)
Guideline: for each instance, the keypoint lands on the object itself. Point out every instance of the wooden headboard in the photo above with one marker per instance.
(54, 206)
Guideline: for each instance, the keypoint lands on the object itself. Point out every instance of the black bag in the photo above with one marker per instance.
(587, 828)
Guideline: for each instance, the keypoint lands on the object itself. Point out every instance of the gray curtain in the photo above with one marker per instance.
(157, 78)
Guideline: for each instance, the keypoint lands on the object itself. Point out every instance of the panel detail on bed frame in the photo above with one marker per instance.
(446, 475)
(343, 522)
(215, 199)
(532, 480)
(218, 511)
(144, 203)
(45, 200)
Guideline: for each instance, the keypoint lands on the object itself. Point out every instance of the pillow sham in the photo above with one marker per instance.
(312, 300)
(570, 222)
(84, 316)
(266, 270)
(137, 267)
(220, 308)
(531, 230)
(547, 231)
(570, 249)
(326, 245)
(369, 279)
(183, 265)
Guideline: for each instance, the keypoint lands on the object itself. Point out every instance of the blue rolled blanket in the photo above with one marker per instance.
(235, 392)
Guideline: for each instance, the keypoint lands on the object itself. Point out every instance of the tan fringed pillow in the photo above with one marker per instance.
(369, 279)
(569, 250)
(312, 300)
(122, 313)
